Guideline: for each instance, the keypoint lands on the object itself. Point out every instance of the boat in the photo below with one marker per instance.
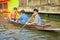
(46, 27)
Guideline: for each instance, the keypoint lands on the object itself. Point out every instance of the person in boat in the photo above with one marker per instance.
(23, 18)
(13, 15)
(37, 19)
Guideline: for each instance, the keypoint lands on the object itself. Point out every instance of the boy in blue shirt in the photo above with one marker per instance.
(23, 18)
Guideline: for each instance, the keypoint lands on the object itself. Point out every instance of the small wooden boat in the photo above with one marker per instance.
(40, 28)
(46, 27)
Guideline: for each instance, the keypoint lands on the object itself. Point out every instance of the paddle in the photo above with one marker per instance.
(25, 24)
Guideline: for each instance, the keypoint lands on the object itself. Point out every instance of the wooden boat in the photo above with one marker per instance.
(39, 28)
(46, 27)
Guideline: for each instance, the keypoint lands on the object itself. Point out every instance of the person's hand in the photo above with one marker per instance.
(16, 21)
(28, 23)
(32, 15)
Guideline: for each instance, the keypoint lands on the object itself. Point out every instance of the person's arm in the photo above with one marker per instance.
(35, 20)
(10, 16)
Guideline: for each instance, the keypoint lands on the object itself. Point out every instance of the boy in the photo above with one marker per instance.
(23, 18)
(13, 15)
(37, 19)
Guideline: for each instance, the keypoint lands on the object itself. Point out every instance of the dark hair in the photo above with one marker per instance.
(22, 11)
(36, 10)
(15, 8)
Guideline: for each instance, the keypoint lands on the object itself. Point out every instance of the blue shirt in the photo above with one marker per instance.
(37, 20)
(23, 18)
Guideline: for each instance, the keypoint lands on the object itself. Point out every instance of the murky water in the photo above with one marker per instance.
(31, 34)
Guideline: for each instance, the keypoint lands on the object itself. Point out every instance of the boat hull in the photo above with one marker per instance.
(46, 27)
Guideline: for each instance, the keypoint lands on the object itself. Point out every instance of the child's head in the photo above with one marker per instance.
(22, 11)
(15, 8)
(35, 12)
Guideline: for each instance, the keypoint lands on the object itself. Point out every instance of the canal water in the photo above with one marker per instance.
(26, 34)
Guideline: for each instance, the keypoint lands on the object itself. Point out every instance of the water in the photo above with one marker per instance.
(27, 34)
